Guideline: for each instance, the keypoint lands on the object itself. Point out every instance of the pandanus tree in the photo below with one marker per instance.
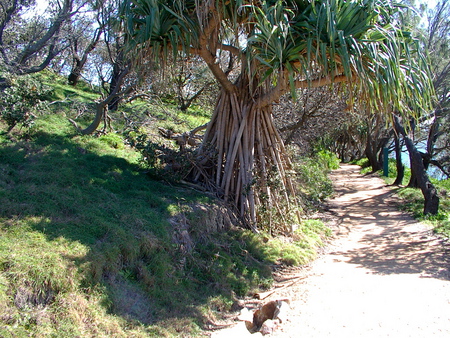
(281, 46)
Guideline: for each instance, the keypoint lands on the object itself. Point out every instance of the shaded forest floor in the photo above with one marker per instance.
(384, 274)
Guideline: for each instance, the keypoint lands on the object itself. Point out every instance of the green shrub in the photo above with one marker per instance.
(329, 159)
(113, 140)
(363, 163)
(22, 100)
(160, 157)
(312, 179)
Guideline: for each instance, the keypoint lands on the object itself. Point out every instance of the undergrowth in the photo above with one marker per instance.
(312, 179)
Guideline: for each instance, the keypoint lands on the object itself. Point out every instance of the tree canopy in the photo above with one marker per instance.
(281, 45)
(293, 43)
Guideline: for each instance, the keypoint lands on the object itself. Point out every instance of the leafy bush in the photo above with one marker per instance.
(161, 158)
(329, 159)
(312, 176)
(363, 162)
(22, 100)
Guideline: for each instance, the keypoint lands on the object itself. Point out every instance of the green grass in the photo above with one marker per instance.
(90, 245)
(413, 202)
(312, 179)
(61, 90)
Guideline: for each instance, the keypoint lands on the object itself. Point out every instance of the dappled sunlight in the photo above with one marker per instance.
(386, 241)
(384, 275)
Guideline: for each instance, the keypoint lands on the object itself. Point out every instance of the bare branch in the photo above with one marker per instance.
(33, 47)
(101, 106)
(283, 86)
(208, 50)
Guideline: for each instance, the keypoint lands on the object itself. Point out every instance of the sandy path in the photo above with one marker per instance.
(384, 275)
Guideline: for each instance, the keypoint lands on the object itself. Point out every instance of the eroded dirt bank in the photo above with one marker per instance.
(384, 275)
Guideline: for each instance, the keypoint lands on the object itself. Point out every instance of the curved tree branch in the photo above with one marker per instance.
(283, 86)
(101, 106)
(208, 50)
(34, 47)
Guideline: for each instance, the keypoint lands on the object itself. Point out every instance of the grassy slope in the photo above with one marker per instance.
(87, 247)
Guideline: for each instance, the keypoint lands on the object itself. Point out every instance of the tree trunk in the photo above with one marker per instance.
(243, 158)
(398, 161)
(75, 73)
(413, 181)
(79, 63)
(116, 82)
(429, 192)
(372, 154)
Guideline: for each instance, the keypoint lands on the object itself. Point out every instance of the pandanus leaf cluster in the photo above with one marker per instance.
(282, 46)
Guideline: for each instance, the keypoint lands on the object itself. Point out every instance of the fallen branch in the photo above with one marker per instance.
(182, 140)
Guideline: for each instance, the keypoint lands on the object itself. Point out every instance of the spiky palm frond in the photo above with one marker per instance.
(358, 39)
(308, 38)
(159, 26)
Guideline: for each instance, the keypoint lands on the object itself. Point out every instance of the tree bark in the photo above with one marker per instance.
(372, 154)
(116, 80)
(431, 205)
(398, 161)
(242, 157)
(79, 63)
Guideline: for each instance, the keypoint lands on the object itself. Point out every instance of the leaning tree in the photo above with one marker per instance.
(281, 46)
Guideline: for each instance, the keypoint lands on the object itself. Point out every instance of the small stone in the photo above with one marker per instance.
(269, 327)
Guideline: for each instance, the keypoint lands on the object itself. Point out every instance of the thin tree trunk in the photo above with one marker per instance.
(102, 106)
(116, 81)
(371, 153)
(398, 161)
(50, 39)
(429, 192)
(79, 63)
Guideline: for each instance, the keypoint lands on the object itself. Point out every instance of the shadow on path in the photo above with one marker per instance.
(387, 240)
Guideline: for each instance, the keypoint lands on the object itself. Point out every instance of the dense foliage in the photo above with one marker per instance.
(22, 99)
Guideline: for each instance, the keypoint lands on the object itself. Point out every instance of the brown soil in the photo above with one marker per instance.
(383, 275)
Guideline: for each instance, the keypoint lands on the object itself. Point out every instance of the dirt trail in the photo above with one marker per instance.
(384, 275)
